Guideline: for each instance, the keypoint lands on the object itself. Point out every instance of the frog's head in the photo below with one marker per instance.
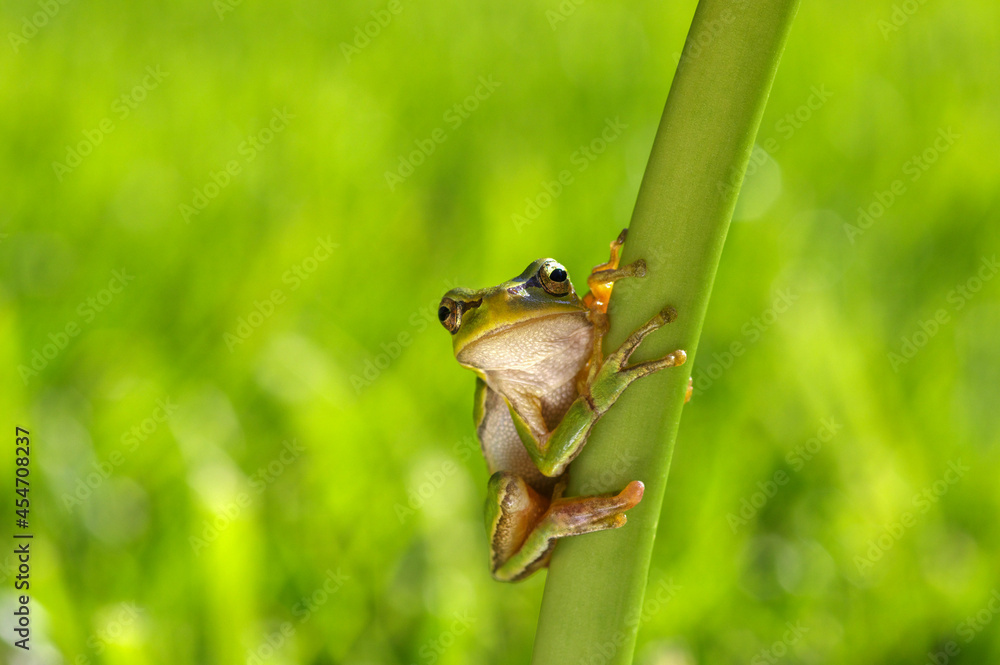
(543, 290)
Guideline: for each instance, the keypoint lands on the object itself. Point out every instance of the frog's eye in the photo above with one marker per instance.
(554, 278)
(450, 315)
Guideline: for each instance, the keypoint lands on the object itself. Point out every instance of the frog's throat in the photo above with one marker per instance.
(505, 328)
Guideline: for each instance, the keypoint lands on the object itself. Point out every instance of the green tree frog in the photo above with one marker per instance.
(542, 383)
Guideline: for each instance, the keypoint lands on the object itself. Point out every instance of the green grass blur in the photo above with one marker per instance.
(208, 537)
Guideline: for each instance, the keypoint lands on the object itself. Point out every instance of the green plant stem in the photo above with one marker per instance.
(594, 592)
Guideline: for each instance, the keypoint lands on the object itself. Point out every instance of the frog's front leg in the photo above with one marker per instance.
(614, 377)
(523, 526)
(553, 451)
(602, 278)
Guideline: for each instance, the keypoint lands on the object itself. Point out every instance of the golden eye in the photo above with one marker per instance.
(450, 315)
(554, 278)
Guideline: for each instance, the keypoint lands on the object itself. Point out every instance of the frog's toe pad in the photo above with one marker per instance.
(632, 494)
(667, 315)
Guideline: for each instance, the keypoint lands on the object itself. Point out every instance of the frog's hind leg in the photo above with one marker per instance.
(513, 509)
(521, 545)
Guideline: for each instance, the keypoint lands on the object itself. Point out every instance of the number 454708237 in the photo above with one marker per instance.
(21, 478)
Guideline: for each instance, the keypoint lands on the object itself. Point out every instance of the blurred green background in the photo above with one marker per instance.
(256, 445)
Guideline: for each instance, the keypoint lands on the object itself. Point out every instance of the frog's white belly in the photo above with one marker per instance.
(536, 368)
(503, 448)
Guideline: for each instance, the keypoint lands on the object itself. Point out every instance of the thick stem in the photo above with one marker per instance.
(594, 592)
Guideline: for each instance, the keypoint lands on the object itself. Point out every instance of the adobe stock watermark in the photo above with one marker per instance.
(922, 502)
(706, 374)
(562, 11)
(257, 484)
(655, 257)
(30, 25)
(581, 159)
(957, 299)
(303, 610)
(364, 34)
(454, 118)
(121, 109)
(695, 44)
(129, 443)
(913, 169)
(655, 600)
(432, 650)
(793, 121)
(624, 460)
(121, 621)
(433, 480)
(780, 648)
(418, 321)
(899, 16)
(87, 310)
(796, 459)
(292, 278)
(967, 629)
(223, 7)
(247, 152)
(785, 127)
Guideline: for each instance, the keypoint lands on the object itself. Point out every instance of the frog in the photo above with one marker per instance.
(542, 383)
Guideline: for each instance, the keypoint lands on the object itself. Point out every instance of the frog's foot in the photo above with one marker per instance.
(616, 250)
(601, 283)
(520, 545)
(614, 376)
(513, 509)
(578, 515)
(603, 276)
(635, 269)
(690, 391)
